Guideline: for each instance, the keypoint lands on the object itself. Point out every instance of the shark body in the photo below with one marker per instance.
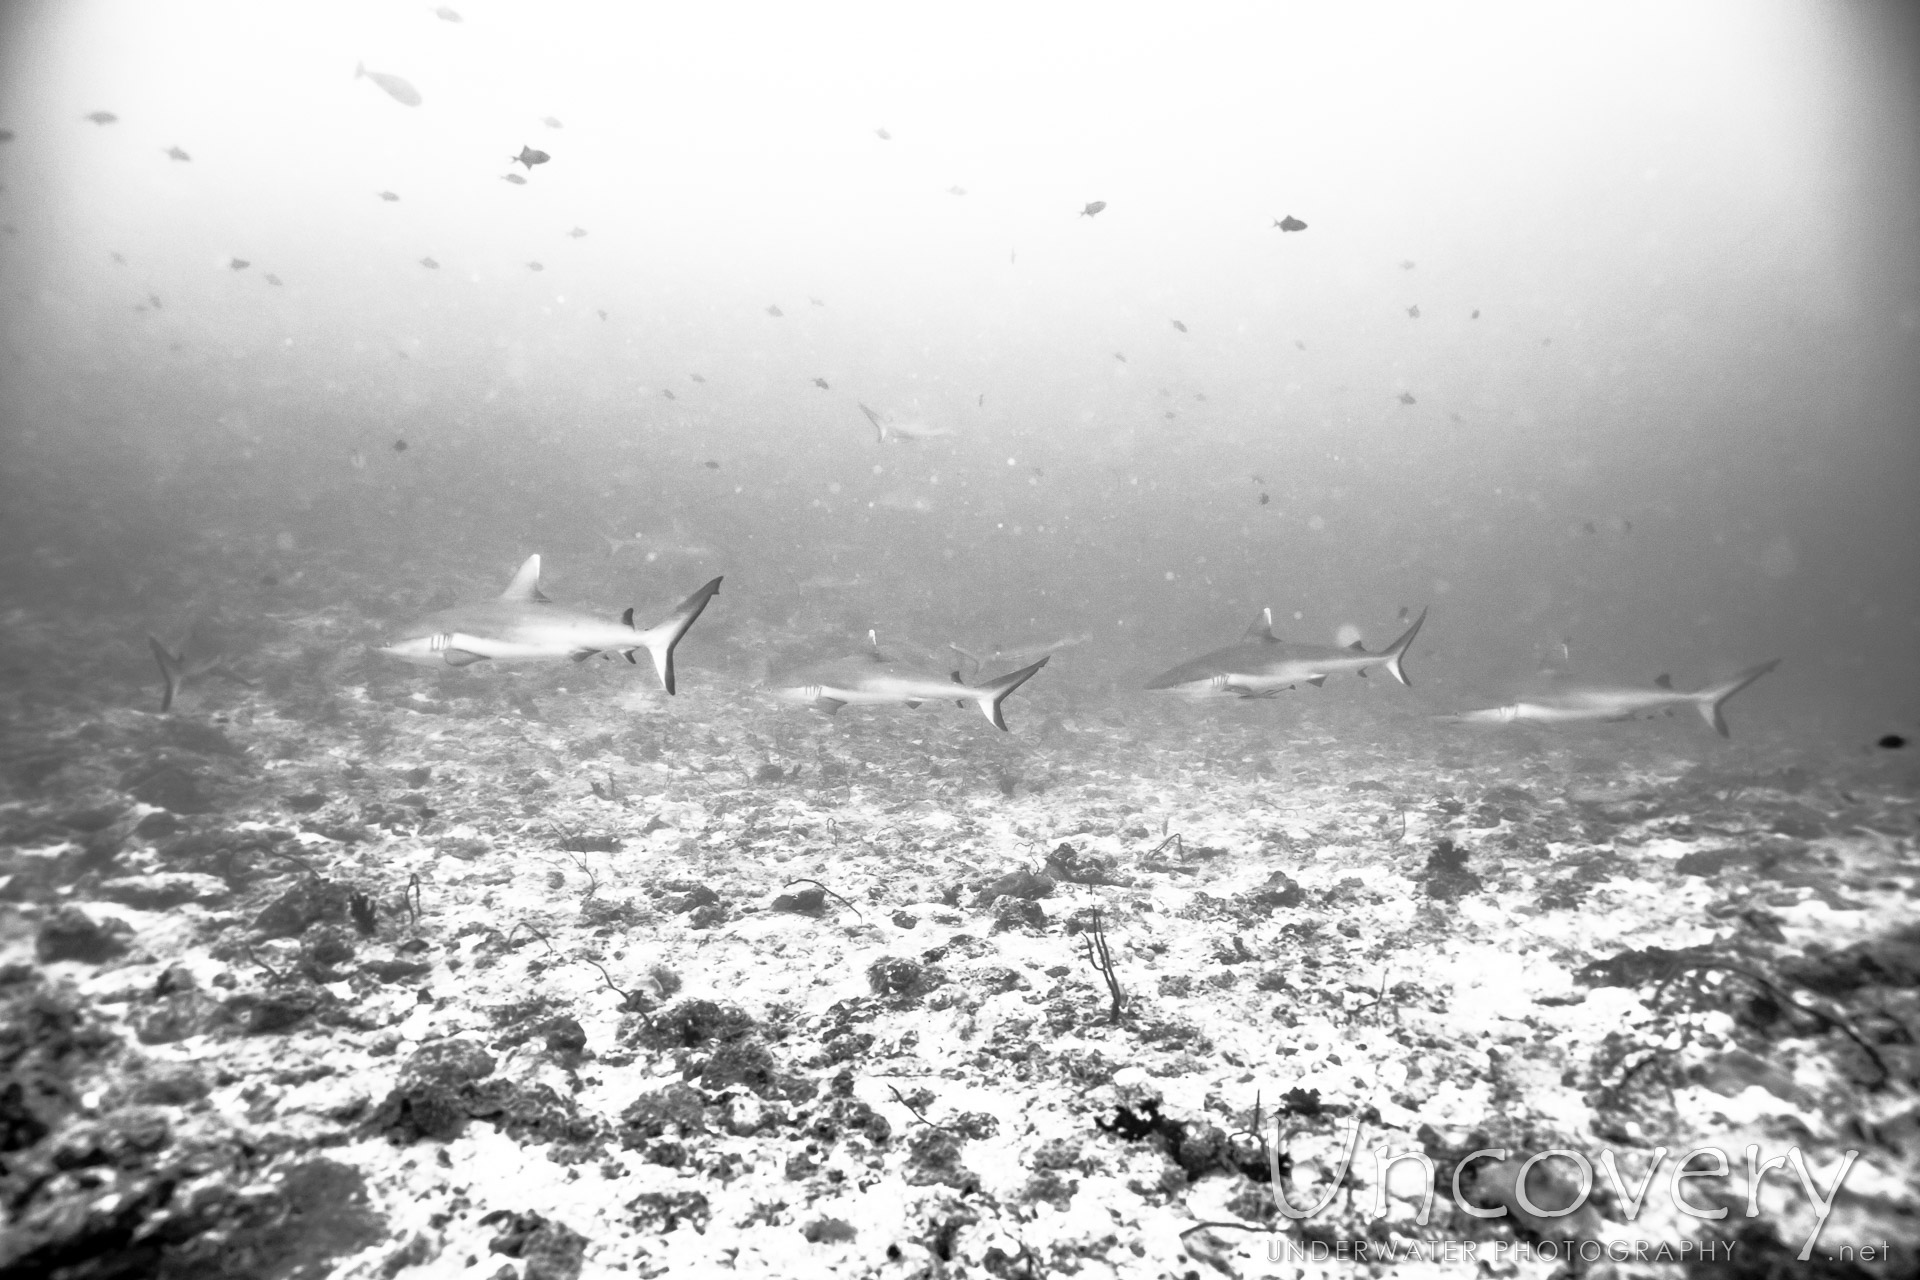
(872, 679)
(905, 430)
(1619, 702)
(522, 625)
(1263, 664)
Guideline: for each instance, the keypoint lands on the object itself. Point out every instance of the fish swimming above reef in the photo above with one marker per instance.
(904, 430)
(529, 157)
(396, 88)
(1290, 223)
(101, 117)
(1569, 702)
(872, 679)
(1093, 208)
(522, 625)
(200, 654)
(1263, 664)
(175, 153)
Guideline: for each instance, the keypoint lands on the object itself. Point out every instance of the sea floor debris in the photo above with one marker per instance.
(382, 971)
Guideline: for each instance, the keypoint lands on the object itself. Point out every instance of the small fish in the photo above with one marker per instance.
(396, 88)
(1298, 343)
(153, 299)
(1176, 324)
(883, 135)
(668, 393)
(1264, 500)
(1406, 264)
(576, 233)
(711, 465)
(447, 15)
(1413, 312)
(238, 264)
(117, 256)
(1290, 223)
(603, 315)
(400, 446)
(429, 264)
(551, 122)
(956, 191)
(1093, 207)
(775, 312)
(272, 279)
(529, 157)
(175, 153)
(102, 117)
(535, 266)
(696, 377)
(514, 178)
(1891, 742)
(981, 403)
(1406, 397)
(1169, 415)
(1475, 315)
(1588, 526)
(1120, 357)
(822, 384)
(1404, 613)
(388, 196)
(813, 301)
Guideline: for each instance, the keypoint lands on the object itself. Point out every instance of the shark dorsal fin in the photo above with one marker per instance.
(525, 586)
(1262, 628)
(1664, 680)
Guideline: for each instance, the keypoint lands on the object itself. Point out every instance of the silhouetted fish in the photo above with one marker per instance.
(1121, 358)
(813, 301)
(1093, 207)
(603, 315)
(396, 88)
(775, 312)
(576, 233)
(956, 191)
(551, 122)
(154, 298)
(238, 264)
(399, 446)
(1290, 223)
(711, 465)
(6, 135)
(1406, 397)
(668, 393)
(429, 264)
(696, 377)
(388, 196)
(534, 266)
(102, 117)
(1475, 315)
(514, 178)
(117, 256)
(271, 278)
(1176, 324)
(446, 15)
(529, 157)
(883, 135)
(822, 384)
(1413, 312)
(175, 153)
(1406, 264)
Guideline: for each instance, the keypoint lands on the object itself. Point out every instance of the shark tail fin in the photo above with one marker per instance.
(1714, 697)
(169, 673)
(1397, 651)
(659, 640)
(990, 695)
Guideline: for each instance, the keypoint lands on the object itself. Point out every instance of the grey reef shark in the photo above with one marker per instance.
(1263, 664)
(524, 626)
(905, 430)
(1569, 701)
(199, 655)
(872, 679)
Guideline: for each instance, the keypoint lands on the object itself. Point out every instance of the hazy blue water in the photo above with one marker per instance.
(1681, 432)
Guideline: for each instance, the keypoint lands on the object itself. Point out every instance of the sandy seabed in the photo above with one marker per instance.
(368, 971)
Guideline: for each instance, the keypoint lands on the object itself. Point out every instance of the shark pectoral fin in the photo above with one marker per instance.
(581, 655)
(169, 673)
(463, 657)
(913, 705)
(829, 705)
(630, 658)
(1320, 681)
(1357, 647)
(1362, 673)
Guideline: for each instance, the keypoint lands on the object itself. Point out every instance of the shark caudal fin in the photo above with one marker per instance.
(659, 640)
(874, 418)
(1397, 651)
(169, 673)
(1714, 697)
(990, 695)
